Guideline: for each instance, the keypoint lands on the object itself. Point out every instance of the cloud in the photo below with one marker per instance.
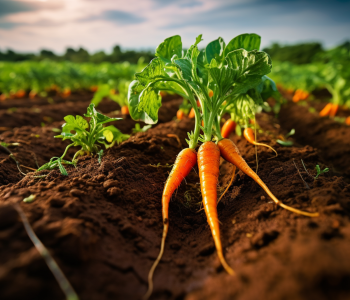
(115, 16)
(97, 25)
(8, 7)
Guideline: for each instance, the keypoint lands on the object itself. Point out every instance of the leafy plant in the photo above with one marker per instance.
(232, 72)
(319, 171)
(87, 135)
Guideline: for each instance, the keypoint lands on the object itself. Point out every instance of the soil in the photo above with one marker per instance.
(103, 224)
(331, 138)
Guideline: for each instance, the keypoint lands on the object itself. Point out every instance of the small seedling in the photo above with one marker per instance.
(319, 171)
(287, 143)
(86, 134)
(138, 128)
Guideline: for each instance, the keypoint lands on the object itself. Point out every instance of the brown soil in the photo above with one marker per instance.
(331, 138)
(102, 223)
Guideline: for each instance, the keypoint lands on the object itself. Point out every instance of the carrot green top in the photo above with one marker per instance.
(226, 70)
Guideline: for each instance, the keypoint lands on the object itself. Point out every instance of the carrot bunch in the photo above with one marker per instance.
(300, 95)
(220, 77)
(329, 110)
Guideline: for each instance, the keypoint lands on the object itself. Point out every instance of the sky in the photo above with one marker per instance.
(31, 25)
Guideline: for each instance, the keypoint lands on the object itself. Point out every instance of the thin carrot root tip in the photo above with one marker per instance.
(265, 145)
(230, 153)
(249, 136)
(184, 163)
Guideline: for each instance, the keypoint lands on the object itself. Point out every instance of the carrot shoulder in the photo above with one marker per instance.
(185, 161)
(227, 128)
(230, 152)
(208, 165)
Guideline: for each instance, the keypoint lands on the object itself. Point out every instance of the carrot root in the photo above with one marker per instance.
(228, 186)
(183, 165)
(249, 136)
(208, 165)
(230, 152)
(155, 264)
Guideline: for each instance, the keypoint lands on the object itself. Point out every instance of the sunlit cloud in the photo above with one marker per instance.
(28, 25)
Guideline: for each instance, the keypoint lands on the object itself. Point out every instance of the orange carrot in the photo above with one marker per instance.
(3, 97)
(334, 110)
(228, 127)
(185, 161)
(211, 93)
(208, 166)
(230, 152)
(125, 110)
(347, 121)
(249, 136)
(192, 114)
(32, 94)
(20, 93)
(296, 96)
(326, 110)
(162, 93)
(180, 114)
(66, 92)
(94, 88)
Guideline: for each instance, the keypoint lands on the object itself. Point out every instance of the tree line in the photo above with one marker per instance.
(302, 53)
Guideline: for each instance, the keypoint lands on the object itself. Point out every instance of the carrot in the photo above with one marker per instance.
(20, 93)
(3, 97)
(185, 161)
(347, 121)
(296, 96)
(208, 165)
(93, 88)
(125, 110)
(192, 114)
(66, 92)
(326, 110)
(334, 110)
(180, 114)
(162, 93)
(230, 152)
(211, 93)
(228, 127)
(32, 94)
(249, 136)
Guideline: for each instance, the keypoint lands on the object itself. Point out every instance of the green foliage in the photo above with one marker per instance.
(87, 135)
(42, 76)
(81, 55)
(297, 54)
(228, 71)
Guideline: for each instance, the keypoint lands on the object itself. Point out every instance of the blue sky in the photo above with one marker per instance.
(31, 25)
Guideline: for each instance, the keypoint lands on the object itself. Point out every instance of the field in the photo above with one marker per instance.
(103, 222)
